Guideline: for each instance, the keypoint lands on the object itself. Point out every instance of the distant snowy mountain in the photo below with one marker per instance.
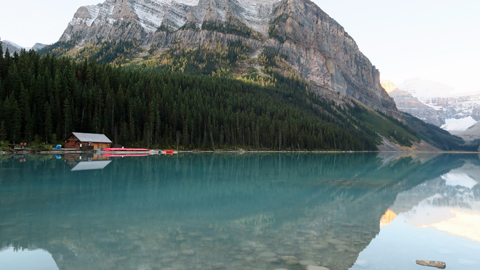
(38, 46)
(12, 47)
(471, 134)
(410, 104)
(456, 111)
(422, 88)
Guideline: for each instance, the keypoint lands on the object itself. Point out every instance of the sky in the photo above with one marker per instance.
(438, 40)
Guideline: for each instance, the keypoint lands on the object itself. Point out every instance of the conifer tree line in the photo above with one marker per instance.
(44, 98)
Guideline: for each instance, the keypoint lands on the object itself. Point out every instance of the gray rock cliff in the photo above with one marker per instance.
(409, 104)
(316, 46)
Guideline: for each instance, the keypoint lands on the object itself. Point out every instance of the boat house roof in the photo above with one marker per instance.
(91, 137)
(91, 165)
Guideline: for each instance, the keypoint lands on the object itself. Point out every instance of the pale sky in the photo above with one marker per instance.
(437, 40)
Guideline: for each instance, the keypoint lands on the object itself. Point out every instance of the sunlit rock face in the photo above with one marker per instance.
(388, 85)
(316, 46)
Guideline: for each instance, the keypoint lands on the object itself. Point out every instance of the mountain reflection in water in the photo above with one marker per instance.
(222, 211)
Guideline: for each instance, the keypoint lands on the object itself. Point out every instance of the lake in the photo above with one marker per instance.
(240, 211)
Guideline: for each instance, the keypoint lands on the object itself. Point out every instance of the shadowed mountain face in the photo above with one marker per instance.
(206, 211)
(310, 42)
(409, 104)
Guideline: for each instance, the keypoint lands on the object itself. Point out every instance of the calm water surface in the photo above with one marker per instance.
(233, 211)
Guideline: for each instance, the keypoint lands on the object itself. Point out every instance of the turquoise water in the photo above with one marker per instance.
(239, 211)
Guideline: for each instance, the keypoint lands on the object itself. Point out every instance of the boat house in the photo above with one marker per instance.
(87, 141)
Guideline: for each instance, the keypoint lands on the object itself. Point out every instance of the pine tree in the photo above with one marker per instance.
(16, 122)
(3, 64)
(48, 123)
(3, 132)
(67, 114)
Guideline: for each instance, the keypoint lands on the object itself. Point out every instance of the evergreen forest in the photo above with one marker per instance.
(44, 98)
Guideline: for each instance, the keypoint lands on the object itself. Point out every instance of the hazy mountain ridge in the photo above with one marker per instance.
(314, 45)
(471, 134)
(12, 47)
(435, 103)
(409, 104)
(15, 48)
(444, 98)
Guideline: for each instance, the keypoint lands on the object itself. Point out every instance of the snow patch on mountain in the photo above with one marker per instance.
(188, 2)
(459, 124)
(256, 13)
(94, 11)
(436, 108)
(458, 110)
(151, 14)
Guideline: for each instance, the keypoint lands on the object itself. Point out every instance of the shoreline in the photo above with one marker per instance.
(60, 152)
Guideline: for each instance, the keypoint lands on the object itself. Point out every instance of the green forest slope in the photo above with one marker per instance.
(44, 98)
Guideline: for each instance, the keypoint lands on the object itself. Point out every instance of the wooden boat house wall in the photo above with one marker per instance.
(78, 140)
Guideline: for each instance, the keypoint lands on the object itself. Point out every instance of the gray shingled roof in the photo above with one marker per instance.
(91, 137)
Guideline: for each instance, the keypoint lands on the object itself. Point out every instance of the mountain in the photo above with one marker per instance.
(12, 47)
(290, 45)
(388, 86)
(38, 46)
(457, 107)
(443, 98)
(294, 37)
(469, 135)
(452, 132)
(410, 104)
(436, 103)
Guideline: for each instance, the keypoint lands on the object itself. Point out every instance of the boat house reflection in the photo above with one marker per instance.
(84, 162)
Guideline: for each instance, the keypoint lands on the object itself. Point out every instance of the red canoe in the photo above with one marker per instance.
(126, 149)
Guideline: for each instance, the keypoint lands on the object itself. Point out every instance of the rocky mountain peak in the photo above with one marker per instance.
(314, 45)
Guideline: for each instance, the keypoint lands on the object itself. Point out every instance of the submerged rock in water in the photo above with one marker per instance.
(288, 258)
(308, 262)
(188, 252)
(437, 264)
(267, 254)
(314, 267)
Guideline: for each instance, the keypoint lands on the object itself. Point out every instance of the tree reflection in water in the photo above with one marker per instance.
(209, 211)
